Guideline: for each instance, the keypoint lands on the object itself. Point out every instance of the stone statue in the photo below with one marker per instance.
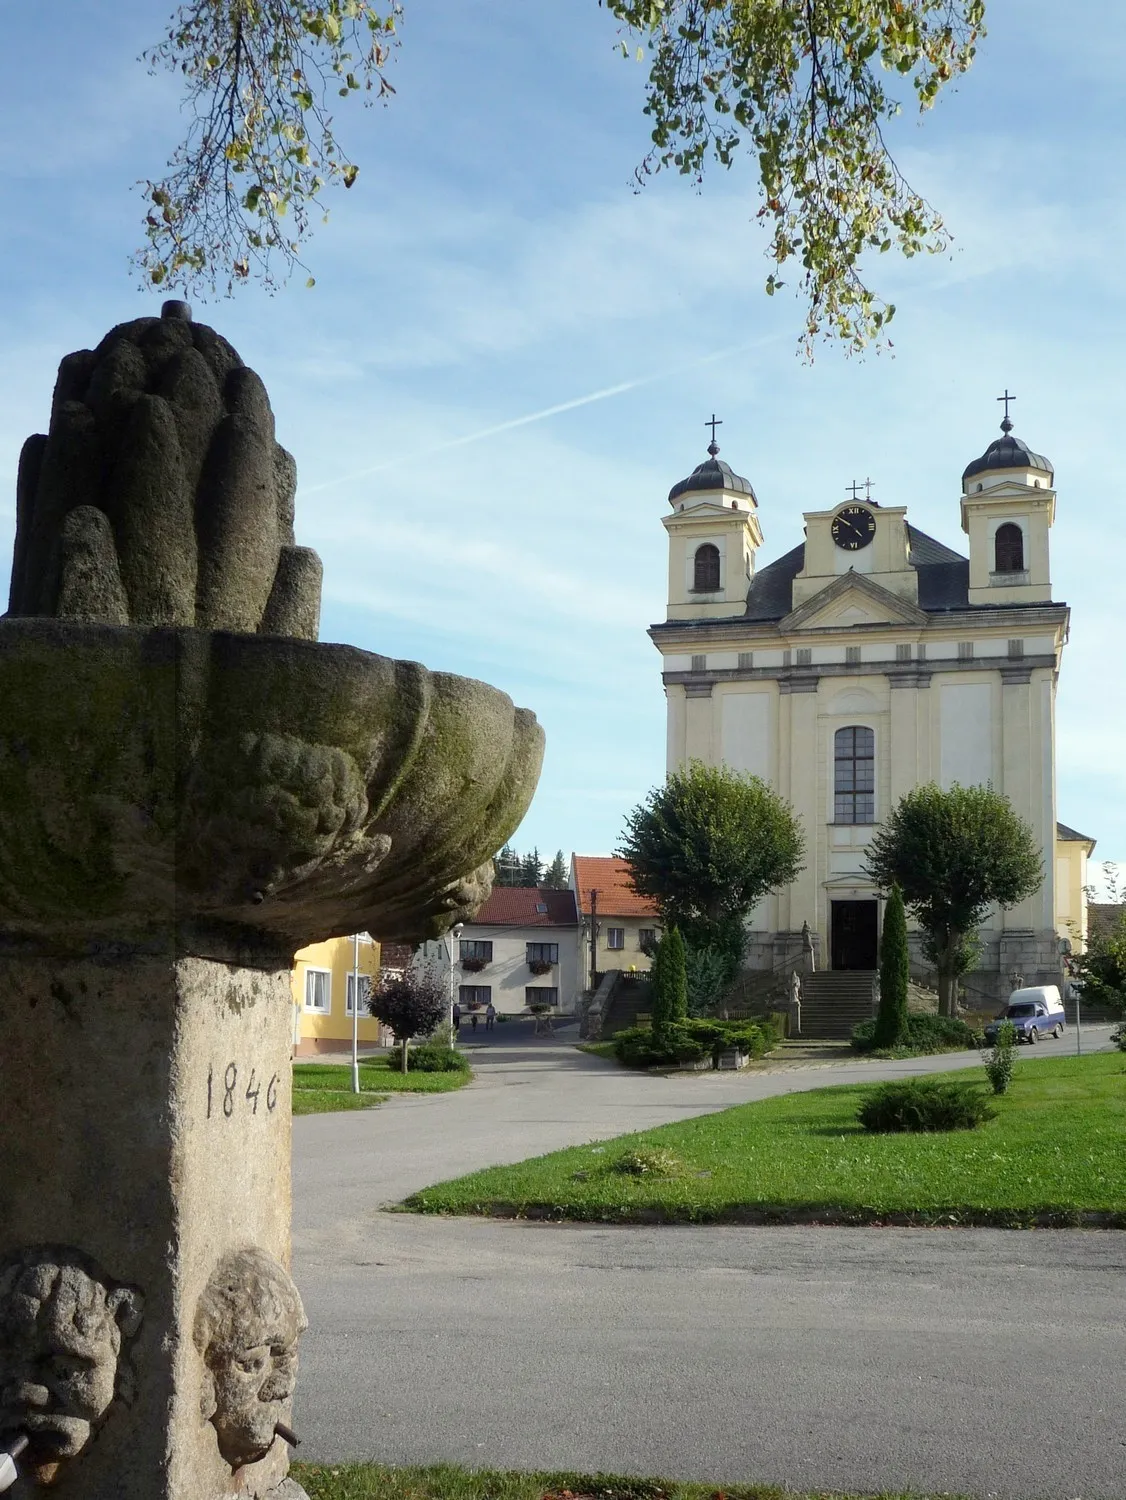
(247, 1326)
(809, 956)
(159, 496)
(795, 1003)
(64, 1326)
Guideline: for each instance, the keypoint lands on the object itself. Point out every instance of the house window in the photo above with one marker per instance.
(350, 991)
(318, 990)
(705, 570)
(541, 994)
(854, 775)
(474, 994)
(615, 937)
(475, 948)
(543, 953)
(1009, 548)
(646, 938)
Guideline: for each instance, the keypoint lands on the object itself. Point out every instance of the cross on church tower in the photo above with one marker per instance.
(713, 422)
(854, 489)
(1006, 425)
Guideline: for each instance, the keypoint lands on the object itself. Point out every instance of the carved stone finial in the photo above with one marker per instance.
(247, 1327)
(64, 1326)
(160, 495)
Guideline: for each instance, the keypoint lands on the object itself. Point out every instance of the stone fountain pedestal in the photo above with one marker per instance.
(191, 788)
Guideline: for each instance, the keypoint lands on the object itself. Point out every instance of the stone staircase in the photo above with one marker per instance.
(834, 1000)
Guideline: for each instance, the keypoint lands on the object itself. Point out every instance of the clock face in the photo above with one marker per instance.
(853, 527)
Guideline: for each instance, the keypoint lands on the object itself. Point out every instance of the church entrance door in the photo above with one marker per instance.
(854, 942)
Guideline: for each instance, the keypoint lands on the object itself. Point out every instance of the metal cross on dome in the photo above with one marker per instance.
(713, 422)
(1006, 425)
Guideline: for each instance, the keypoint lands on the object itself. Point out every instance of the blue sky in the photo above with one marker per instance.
(492, 263)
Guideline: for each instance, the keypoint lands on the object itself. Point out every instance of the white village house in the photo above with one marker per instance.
(865, 661)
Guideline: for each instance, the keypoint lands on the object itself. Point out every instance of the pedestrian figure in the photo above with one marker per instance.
(473, 1019)
(490, 1015)
(457, 1017)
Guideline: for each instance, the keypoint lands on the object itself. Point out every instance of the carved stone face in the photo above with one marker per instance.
(248, 1324)
(62, 1324)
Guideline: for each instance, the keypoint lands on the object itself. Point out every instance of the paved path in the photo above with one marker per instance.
(859, 1358)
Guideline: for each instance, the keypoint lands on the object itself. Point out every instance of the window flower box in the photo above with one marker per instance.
(474, 965)
(540, 966)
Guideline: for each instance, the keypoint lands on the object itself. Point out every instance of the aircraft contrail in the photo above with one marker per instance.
(538, 416)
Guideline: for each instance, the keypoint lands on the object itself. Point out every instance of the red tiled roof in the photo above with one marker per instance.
(610, 878)
(517, 906)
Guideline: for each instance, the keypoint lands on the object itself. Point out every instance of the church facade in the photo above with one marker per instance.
(867, 660)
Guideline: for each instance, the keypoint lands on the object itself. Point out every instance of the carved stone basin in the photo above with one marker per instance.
(240, 795)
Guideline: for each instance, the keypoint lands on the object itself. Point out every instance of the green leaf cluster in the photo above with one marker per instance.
(808, 88)
(668, 982)
(259, 77)
(707, 846)
(1102, 969)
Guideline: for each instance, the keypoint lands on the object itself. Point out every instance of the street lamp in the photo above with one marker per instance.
(355, 1013)
(455, 934)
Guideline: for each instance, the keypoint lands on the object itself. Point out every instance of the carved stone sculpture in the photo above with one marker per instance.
(247, 1326)
(64, 1327)
(191, 788)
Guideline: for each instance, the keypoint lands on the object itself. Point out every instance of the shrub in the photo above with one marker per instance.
(924, 1104)
(431, 1059)
(639, 1047)
(650, 1162)
(924, 1034)
(670, 982)
(999, 1060)
(717, 1036)
(1118, 1037)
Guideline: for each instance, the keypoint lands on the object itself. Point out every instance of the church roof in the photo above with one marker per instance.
(713, 474)
(944, 579)
(1068, 835)
(1008, 452)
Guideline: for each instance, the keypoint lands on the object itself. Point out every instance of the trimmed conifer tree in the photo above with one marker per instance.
(669, 979)
(891, 1022)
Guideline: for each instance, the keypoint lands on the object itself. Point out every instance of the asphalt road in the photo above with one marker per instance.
(974, 1361)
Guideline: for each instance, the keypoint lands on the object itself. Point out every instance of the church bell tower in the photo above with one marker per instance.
(1008, 506)
(714, 534)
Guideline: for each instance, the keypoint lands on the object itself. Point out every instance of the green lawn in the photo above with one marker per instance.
(450, 1482)
(321, 1088)
(1055, 1155)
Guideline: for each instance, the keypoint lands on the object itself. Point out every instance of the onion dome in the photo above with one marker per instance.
(1007, 452)
(713, 474)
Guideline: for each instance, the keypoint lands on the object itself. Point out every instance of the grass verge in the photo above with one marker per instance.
(1054, 1156)
(323, 1088)
(451, 1482)
(598, 1049)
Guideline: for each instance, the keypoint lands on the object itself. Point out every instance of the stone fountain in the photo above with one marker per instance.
(191, 787)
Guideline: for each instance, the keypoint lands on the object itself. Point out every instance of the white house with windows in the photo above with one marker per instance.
(520, 950)
(867, 660)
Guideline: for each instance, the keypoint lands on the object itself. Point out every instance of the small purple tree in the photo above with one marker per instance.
(411, 1004)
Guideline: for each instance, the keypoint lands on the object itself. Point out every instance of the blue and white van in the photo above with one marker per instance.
(1035, 1012)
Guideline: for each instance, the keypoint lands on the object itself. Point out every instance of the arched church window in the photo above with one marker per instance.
(706, 570)
(1009, 545)
(854, 775)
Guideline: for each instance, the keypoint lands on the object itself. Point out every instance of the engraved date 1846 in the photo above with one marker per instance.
(225, 1094)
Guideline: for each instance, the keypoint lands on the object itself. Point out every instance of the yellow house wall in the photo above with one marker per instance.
(318, 1031)
(1071, 903)
(629, 957)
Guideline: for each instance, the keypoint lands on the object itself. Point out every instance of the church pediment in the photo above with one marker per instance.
(852, 599)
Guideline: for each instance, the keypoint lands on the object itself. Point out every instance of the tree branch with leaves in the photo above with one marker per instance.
(261, 78)
(807, 87)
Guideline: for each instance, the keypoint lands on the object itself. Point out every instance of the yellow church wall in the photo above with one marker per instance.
(1071, 857)
(331, 1031)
